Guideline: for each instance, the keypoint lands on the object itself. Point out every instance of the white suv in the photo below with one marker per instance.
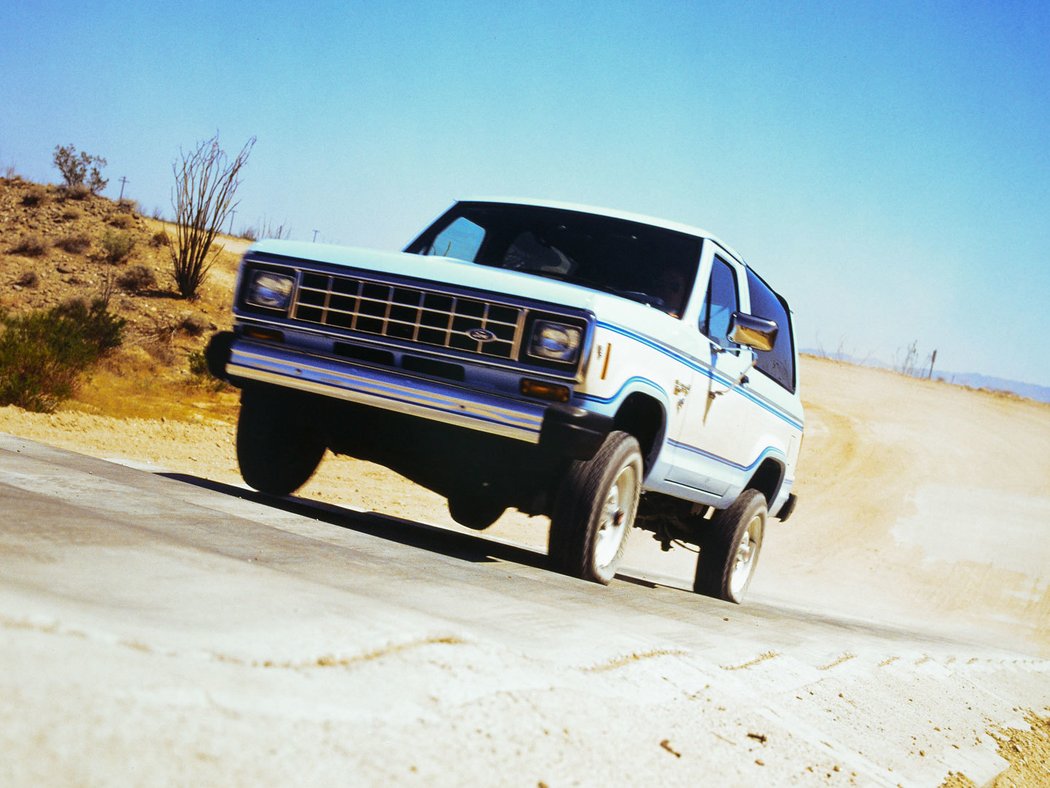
(605, 369)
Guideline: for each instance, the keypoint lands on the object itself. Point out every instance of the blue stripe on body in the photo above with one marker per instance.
(767, 452)
(677, 444)
(616, 396)
(703, 369)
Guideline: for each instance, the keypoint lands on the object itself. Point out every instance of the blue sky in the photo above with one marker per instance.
(884, 165)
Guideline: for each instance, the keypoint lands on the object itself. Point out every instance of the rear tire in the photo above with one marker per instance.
(278, 448)
(595, 508)
(729, 548)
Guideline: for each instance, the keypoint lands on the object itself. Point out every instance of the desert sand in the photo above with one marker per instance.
(920, 503)
(900, 623)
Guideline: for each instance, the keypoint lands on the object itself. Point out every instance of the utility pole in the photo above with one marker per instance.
(232, 214)
(933, 360)
(123, 180)
(315, 235)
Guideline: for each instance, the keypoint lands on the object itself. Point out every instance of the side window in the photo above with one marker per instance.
(461, 239)
(778, 363)
(719, 303)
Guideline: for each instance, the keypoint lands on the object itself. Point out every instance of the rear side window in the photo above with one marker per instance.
(778, 363)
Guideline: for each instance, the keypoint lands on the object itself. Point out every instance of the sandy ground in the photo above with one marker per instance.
(920, 503)
(923, 513)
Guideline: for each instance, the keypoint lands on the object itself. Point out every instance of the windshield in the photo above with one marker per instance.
(638, 261)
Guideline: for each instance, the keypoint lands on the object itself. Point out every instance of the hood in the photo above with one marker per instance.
(450, 271)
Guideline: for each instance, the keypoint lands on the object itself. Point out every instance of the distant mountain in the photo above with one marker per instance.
(978, 381)
(973, 380)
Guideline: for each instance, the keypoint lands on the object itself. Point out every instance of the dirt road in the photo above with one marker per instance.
(166, 626)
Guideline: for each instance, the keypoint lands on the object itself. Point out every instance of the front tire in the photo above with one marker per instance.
(278, 448)
(595, 508)
(729, 548)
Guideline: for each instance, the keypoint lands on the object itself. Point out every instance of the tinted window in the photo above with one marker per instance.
(778, 363)
(720, 303)
(461, 240)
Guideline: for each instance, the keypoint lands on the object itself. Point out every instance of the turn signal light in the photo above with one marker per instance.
(541, 390)
(265, 334)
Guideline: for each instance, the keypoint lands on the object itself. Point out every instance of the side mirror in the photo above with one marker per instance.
(754, 332)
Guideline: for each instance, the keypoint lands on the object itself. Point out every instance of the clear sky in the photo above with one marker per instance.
(885, 165)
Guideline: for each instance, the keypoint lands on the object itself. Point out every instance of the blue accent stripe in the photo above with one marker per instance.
(617, 395)
(706, 370)
(767, 452)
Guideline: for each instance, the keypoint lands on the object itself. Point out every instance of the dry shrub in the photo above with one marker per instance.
(201, 375)
(159, 339)
(116, 246)
(29, 279)
(43, 354)
(159, 238)
(195, 324)
(76, 243)
(206, 181)
(127, 206)
(36, 195)
(32, 245)
(122, 221)
(78, 192)
(137, 279)
(71, 214)
(80, 169)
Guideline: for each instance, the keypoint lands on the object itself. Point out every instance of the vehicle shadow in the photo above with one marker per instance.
(478, 549)
(453, 544)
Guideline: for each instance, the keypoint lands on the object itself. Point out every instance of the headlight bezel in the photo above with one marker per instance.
(554, 341)
(272, 296)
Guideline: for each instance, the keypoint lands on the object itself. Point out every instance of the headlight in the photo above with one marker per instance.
(555, 341)
(270, 290)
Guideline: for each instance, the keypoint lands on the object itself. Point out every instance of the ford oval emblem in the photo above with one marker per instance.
(481, 335)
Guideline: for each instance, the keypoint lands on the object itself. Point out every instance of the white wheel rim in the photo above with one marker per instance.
(745, 556)
(616, 516)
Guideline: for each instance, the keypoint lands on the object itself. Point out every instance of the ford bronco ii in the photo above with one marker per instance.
(608, 370)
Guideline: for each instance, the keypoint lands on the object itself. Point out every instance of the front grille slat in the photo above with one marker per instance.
(409, 314)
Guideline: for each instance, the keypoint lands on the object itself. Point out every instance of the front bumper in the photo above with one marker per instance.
(562, 429)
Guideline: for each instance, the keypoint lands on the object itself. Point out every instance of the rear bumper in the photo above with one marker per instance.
(562, 429)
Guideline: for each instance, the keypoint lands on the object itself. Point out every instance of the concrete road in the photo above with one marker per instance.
(162, 629)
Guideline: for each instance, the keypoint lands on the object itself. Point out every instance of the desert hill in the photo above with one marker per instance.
(55, 247)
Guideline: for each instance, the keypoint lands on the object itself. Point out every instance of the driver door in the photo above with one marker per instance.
(709, 444)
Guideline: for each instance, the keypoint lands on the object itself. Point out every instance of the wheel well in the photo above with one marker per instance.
(642, 417)
(767, 479)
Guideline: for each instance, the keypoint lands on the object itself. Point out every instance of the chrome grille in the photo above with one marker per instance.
(408, 314)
